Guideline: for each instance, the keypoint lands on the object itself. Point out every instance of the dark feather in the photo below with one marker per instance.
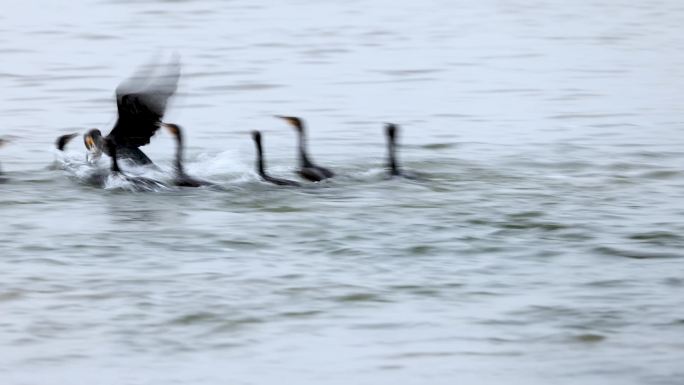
(141, 101)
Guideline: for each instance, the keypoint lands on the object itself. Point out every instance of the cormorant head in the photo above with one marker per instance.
(391, 130)
(3, 141)
(94, 143)
(63, 140)
(174, 129)
(294, 121)
(93, 140)
(256, 135)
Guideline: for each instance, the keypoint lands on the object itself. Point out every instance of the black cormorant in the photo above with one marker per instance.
(141, 102)
(307, 169)
(181, 178)
(391, 130)
(261, 167)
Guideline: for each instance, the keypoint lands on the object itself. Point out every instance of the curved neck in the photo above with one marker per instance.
(391, 156)
(260, 159)
(178, 163)
(303, 157)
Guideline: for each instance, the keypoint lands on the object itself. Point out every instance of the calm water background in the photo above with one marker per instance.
(546, 246)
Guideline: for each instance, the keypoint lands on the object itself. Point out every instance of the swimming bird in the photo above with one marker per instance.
(391, 130)
(181, 178)
(261, 167)
(137, 183)
(307, 169)
(141, 102)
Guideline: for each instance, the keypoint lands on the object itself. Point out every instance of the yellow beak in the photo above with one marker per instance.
(89, 142)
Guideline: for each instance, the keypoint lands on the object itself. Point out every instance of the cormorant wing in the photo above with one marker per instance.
(141, 102)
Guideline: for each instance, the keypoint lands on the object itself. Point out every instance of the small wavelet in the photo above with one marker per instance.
(635, 253)
(193, 318)
(97, 36)
(410, 72)
(360, 297)
(662, 174)
(245, 86)
(592, 116)
(301, 314)
(419, 250)
(439, 146)
(536, 225)
(659, 237)
(8, 296)
(589, 338)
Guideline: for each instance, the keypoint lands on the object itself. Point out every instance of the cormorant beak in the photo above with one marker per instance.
(90, 143)
(94, 151)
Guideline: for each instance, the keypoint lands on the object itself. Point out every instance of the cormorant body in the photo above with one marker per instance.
(307, 169)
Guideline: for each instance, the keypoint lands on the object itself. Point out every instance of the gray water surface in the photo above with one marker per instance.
(545, 245)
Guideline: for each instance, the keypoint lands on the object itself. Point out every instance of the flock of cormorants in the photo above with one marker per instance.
(141, 103)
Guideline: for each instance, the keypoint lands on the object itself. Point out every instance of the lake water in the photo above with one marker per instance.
(545, 245)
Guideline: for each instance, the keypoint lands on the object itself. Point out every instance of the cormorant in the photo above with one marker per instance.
(307, 169)
(141, 103)
(392, 164)
(181, 178)
(261, 167)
